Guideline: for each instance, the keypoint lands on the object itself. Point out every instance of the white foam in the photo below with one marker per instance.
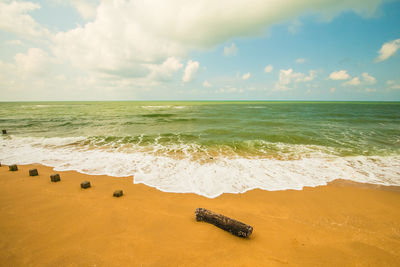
(164, 107)
(208, 178)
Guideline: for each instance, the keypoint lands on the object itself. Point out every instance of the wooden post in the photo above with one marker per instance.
(13, 168)
(33, 172)
(85, 184)
(4, 131)
(118, 193)
(55, 177)
(234, 227)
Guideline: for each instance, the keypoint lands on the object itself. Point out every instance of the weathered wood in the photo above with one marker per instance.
(55, 177)
(4, 131)
(33, 172)
(233, 226)
(118, 193)
(13, 168)
(85, 184)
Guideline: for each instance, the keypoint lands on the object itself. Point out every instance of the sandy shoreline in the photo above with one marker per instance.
(60, 224)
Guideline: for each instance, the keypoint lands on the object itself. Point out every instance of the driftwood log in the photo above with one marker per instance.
(33, 172)
(55, 177)
(85, 184)
(13, 168)
(234, 227)
(118, 193)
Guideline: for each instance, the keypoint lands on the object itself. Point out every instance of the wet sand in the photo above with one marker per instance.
(60, 224)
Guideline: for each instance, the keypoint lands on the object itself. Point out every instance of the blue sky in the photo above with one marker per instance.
(199, 50)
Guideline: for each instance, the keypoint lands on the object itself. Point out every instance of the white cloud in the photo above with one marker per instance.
(127, 34)
(355, 81)
(343, 75)
(165, 70)
(35, 61)
(268, 68)
(388, 49)
(287, 77)
(230, 50)
(370, 90)
(339, 75)
(393, 84)
(190, 71)
(332, 90)
(300, 60)
(14, 18)
(246, 76)
(311, 76)
(117, 42)
(7, 70)
(87, 8)
(368, 78)
(206, 84)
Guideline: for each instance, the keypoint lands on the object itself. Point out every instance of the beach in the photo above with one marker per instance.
(199, 133)
(59, 224)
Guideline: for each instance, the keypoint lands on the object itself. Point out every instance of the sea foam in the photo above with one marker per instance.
(210, 178)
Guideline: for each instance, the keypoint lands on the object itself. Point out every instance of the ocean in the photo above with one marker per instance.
(207, 147)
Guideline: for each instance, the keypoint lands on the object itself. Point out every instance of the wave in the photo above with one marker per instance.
(193, 169)
(157, 115)
(164, 107)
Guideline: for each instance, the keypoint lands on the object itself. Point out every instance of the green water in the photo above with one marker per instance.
(261, 128)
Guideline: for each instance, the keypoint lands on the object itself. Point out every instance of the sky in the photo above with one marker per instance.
(200, 50)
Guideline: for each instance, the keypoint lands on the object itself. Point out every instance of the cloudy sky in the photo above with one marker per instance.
(199, 50)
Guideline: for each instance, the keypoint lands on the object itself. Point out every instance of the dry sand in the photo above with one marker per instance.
(60, 224)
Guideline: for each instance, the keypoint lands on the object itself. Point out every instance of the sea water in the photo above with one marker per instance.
(209, 148)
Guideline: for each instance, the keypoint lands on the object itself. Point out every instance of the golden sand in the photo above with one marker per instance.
(60, 224)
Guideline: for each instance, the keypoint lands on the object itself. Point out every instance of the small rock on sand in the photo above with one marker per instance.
(33, 172)
(85, 184)
(118, 193)
(55, 177)
(13, 168)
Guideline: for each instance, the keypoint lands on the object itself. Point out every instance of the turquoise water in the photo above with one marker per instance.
(184, 140)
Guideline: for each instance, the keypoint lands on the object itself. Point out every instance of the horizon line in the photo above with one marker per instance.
(201, 100)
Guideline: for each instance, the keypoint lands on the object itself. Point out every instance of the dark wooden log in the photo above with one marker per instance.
(33, 172)
(118, 193)
(13, 168)
(4, 131)
(234, 227)
(55, 177)
(85, 184)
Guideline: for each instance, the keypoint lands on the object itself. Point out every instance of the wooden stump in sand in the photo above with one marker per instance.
(55, 177)
(4, 131)
(234, 227)
(118, 193)
(33, 172)
(13, 168)
(85, 184)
